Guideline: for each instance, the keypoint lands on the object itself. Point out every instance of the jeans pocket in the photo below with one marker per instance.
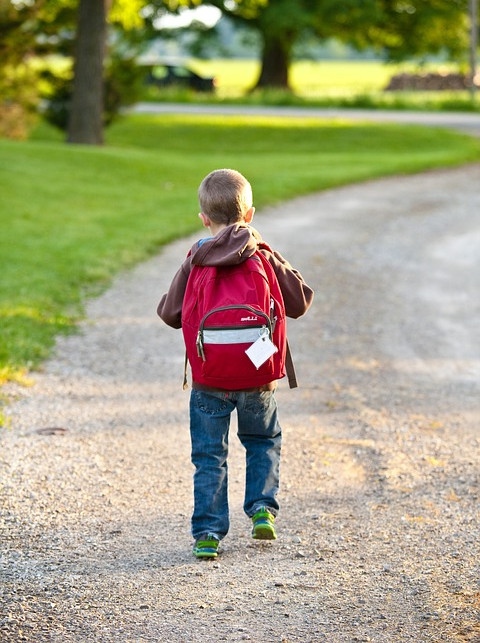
(258, 403)
(210, 403)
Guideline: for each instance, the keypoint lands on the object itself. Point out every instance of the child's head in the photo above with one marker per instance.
(225, 197)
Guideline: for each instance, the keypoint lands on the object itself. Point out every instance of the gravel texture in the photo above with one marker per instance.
(379, 521)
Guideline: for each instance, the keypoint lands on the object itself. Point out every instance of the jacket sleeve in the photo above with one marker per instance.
(297, 295)
(170, 307)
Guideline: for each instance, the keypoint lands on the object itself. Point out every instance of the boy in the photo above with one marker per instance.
(225, 198)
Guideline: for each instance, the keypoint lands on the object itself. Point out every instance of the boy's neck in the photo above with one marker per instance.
(216, 228)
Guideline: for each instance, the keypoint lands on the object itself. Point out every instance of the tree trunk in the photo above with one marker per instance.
(86, 112)
(473, 7)
(276, 58)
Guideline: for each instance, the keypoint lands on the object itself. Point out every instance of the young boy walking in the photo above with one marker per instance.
(225, 198)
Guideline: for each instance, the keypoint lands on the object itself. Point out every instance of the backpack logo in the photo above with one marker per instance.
(250, 318)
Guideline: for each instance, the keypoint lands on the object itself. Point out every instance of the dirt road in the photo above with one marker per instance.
(379, 523)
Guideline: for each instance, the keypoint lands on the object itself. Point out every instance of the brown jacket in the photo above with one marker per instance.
(231, 246)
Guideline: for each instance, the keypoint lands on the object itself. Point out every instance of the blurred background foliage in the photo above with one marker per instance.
(39, 44)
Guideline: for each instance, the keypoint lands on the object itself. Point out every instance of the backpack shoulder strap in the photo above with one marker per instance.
(185, 369)
(289, 366)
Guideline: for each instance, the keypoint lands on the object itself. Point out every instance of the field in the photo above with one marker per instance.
(329, 83)
(307, 77)
(73, 216)
(322, 83)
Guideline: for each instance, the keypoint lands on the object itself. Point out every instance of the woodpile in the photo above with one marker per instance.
(429, 82)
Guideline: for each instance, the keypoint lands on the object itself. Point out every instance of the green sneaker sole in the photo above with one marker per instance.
(264, 531)
(207, 548)
(205, 553)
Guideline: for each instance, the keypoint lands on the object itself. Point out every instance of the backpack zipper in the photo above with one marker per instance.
(267, 325)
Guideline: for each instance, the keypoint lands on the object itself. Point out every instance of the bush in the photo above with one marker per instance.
(123, 87)
(18, 105)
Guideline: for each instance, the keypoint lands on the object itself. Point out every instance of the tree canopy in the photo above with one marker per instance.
(396, 28)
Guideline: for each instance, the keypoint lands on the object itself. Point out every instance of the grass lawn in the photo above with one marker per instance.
(73, 216)
(327, 83)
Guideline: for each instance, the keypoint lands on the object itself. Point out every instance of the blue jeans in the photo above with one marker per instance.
(260, 434)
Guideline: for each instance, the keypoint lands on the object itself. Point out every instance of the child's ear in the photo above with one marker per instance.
(249, 215)
(205, 220)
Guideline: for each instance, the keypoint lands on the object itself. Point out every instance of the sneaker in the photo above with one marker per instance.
(263, 528)
(206, 546)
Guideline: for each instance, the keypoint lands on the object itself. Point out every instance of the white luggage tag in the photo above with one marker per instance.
(261, 350)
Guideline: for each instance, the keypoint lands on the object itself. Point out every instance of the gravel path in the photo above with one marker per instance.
(379, 522)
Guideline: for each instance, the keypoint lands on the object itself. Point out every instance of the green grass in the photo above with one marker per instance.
(330, 83)
(73, 216)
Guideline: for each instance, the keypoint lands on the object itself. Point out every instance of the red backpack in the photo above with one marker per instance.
(226, 310)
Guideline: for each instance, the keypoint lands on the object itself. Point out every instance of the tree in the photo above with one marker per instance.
(473, 14)
(86, 112)
(83, 100)
(397, 28)
(281, 23)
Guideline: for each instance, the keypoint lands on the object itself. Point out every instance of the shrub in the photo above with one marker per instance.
(122, 87)
(18, 105)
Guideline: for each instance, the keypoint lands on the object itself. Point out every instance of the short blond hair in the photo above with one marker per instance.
(225, 196)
